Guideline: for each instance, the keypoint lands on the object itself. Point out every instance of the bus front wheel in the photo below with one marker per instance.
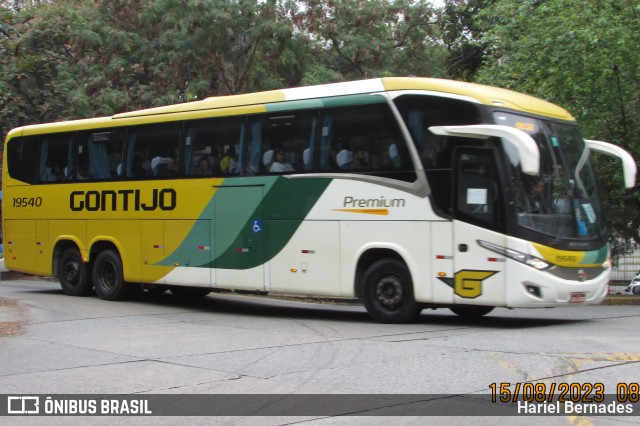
(388, 292)
(108, 278)
(74, 274)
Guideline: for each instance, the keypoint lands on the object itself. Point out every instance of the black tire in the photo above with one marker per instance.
(387, 292)
(189, 292)
(74, 273)
(471, 312)
(635, 289)
(108, 278)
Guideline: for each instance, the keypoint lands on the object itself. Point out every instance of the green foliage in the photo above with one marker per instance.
(462, 35)
(357, 39)
(584, 56)
(80, 58)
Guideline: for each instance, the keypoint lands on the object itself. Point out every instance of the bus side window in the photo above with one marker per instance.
(422, 112)
(100, 154)
(364, 139)
(57, 154)
(211, 147)
(282, 143)
(153, 151)
(22, 158)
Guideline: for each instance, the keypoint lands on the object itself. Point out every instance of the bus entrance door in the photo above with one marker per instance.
(479, 275)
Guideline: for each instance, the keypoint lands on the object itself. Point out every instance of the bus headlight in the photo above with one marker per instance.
(527, 259)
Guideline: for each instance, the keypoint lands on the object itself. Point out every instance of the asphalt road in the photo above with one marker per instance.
(231, 344)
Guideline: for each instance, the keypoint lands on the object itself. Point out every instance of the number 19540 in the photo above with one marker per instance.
(27, 202)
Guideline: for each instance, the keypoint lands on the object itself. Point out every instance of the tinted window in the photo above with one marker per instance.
(422, 112)
(100, 154)
(57, 157)
(281, 143)
(212, 147)
(22, 158)
(478, 195)
(363, 139)
(153, 151)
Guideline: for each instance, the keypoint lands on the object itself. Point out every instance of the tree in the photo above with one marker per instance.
(584, 56)
(357, 39)
(82, 58)
(30, 44)
(462, 35)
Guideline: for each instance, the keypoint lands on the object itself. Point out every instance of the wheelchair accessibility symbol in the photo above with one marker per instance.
(257, 226)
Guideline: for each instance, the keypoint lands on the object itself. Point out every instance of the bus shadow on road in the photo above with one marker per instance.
(261, 306)
(300, 308)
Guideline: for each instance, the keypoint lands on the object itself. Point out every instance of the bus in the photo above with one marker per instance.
(405, 193)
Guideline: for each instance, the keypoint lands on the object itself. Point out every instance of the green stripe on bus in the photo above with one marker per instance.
(596, 256)
(240, 216)
(336, 101)
(285, 205)
(222, 218)
(351, 100)
(294, 105)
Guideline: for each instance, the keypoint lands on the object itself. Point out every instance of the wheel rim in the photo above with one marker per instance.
(71, 272)
(389, 292)
(108, 276)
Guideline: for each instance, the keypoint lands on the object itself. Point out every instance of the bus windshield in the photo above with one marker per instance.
(563, 201)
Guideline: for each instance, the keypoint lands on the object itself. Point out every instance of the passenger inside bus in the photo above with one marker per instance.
(204, 167)
(535, 200)
(376, 161)
(344, 159)
(164, 167)
(360, 159)
(83, 171)
(229, 163)
(279, 164)
(267, 157)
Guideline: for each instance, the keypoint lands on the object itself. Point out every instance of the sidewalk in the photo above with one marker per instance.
(622, 299)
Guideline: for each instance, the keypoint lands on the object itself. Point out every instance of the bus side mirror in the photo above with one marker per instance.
(525, 146)
(629, 167)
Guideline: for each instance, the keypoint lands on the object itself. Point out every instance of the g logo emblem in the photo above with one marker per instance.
(468, 284)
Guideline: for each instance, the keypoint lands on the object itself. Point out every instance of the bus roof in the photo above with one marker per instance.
(252, 102)
(487, 95)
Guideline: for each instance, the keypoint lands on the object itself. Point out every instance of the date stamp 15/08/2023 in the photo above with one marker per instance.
(567, 398)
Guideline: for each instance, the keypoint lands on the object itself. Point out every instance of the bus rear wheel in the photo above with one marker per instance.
(108, 278)
(471, 312)
(388, 292)
(73, 273)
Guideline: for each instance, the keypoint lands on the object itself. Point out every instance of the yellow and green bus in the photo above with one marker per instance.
(403, 192)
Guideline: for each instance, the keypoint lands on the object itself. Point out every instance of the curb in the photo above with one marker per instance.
(621, 300)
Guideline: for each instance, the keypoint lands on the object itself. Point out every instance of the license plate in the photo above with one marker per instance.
(577, 297)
